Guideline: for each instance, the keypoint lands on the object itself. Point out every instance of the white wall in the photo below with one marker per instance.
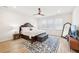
(55, 22)
(75, 17)
(10, 20)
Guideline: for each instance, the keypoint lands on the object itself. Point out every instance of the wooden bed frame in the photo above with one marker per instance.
(40, 37)
(24, 36)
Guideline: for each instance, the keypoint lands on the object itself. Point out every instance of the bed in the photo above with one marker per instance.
(28, 31)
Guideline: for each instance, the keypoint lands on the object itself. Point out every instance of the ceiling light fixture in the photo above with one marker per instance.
(39, 12)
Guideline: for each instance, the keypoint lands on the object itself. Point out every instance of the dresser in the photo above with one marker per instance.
(74, 43)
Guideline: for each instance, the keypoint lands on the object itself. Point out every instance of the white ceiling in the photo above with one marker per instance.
(46, 10)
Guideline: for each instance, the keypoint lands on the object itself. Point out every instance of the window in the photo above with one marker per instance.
(50, 23)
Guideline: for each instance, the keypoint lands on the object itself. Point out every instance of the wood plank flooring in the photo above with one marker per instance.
(16, 46)
(13, 46)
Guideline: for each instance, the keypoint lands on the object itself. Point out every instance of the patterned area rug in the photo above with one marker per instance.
(48, 46)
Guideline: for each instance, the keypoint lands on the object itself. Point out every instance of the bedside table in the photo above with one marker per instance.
(15, 36)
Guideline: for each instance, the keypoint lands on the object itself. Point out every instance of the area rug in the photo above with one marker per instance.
(48, 46)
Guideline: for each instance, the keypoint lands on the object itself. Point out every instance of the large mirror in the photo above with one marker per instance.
(66, 28)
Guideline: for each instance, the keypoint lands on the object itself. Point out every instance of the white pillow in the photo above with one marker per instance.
(26, 29)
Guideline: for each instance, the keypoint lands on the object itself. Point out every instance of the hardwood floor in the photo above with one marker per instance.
(64, 46)
(13, 46)
(16, 46)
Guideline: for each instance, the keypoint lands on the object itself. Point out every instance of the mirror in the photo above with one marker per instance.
(66, 28)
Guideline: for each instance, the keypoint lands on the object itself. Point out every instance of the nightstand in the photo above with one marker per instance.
(15, 36)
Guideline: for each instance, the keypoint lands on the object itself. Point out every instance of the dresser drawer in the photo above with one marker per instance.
(74, 43)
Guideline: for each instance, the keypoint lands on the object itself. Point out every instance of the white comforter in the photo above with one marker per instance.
(31, 33)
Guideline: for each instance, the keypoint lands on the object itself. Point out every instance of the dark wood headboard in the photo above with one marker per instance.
(24, 25)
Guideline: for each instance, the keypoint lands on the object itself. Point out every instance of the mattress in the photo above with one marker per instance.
(31, 32)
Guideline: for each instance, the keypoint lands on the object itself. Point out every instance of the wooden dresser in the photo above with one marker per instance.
(74, 43)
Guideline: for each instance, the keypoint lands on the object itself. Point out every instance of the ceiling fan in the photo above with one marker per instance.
(39, 12)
